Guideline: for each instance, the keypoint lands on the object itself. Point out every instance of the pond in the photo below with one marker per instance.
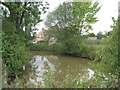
(62, 66)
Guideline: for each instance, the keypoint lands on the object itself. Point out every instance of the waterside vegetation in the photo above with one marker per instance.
(67, 24)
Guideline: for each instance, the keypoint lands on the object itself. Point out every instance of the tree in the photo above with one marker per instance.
(66, 22)
(84, 15)
(91, 35)
(15, 17)
(60, 16)
(77, 15)
(100, 35)
(14, 54)
(23, 14)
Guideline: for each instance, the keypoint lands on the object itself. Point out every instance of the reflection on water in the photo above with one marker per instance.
(40, 64)
(61, 66)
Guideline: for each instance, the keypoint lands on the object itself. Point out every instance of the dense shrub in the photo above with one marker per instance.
(109, 53)
(58, 48)
(42, 46)
(13, 50)
(68, 42)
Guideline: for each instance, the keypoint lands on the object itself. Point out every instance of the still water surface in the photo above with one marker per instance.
(62, 66)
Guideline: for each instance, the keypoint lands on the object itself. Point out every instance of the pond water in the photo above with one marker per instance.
(62, 66)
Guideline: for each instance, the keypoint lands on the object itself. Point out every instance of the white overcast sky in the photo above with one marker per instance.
(108, 10)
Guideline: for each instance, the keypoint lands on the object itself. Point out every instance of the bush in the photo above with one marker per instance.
(13, 50)
(43, 46)
(109, 53)
(58, 48)
(14, 54)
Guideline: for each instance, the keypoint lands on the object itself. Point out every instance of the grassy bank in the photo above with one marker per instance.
(92, 46)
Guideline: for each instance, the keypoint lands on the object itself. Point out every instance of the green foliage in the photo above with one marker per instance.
(93, 42)
(57, 48)
(13, 51)
(90, 48)
(84, 14)
(20, 83)
(81, 14)
(98, 80)
(59, 16)
(24, 14)
(67, 27)
(49, 79)
(67, 42)
(91, 35)
(14, 41)
(100, 35)
(42, 46)
(109, 53)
